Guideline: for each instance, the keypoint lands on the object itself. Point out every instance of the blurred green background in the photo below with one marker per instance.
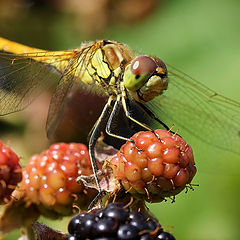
(199, 37)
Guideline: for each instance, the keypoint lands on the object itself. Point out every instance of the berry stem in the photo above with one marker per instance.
(30, 233)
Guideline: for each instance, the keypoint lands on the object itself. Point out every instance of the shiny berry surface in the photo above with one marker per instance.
(127, 232)
(165, 236)
(118, 214)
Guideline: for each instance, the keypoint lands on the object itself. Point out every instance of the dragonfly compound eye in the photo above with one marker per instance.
(138, 72)
(143, 65)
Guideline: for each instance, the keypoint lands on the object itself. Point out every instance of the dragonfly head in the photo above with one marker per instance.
(145, 78)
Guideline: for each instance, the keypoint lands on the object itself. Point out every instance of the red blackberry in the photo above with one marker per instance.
(10, 173)
(49, 179)
(156, 165)
(115, 222)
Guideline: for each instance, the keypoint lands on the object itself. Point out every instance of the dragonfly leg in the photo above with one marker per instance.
(146, 110)
(128, 115)
(116, 106)
(152, 115)
(92, 142)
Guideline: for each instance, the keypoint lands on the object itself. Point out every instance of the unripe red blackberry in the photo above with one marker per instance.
(10, 173)
(155, 166)
(49, 179)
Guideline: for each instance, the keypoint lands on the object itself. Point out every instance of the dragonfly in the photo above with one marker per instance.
(110, 68)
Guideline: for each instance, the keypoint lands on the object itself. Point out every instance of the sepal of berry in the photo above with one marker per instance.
(17, 214)
(10, 173)
(155, 165)
(107, 181)
(44, 232)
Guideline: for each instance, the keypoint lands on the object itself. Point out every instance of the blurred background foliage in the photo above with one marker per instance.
(200, 38)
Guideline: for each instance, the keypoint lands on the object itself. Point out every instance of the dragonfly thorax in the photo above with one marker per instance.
(103, 66)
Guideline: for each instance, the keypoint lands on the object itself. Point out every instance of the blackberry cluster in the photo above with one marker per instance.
(115, 222)
(155, 166)
(49, 179)
(10, 173)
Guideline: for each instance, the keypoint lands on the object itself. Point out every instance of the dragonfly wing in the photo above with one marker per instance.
(22, 79)
(192, 107)
(62, 97)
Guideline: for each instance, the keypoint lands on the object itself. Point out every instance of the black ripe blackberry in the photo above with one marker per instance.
(71, 237)
(165, 236)
(115, 222)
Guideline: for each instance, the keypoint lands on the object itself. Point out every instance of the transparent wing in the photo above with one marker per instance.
(192, 107)
(68, 83)
(23, 78)
(60, 98)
